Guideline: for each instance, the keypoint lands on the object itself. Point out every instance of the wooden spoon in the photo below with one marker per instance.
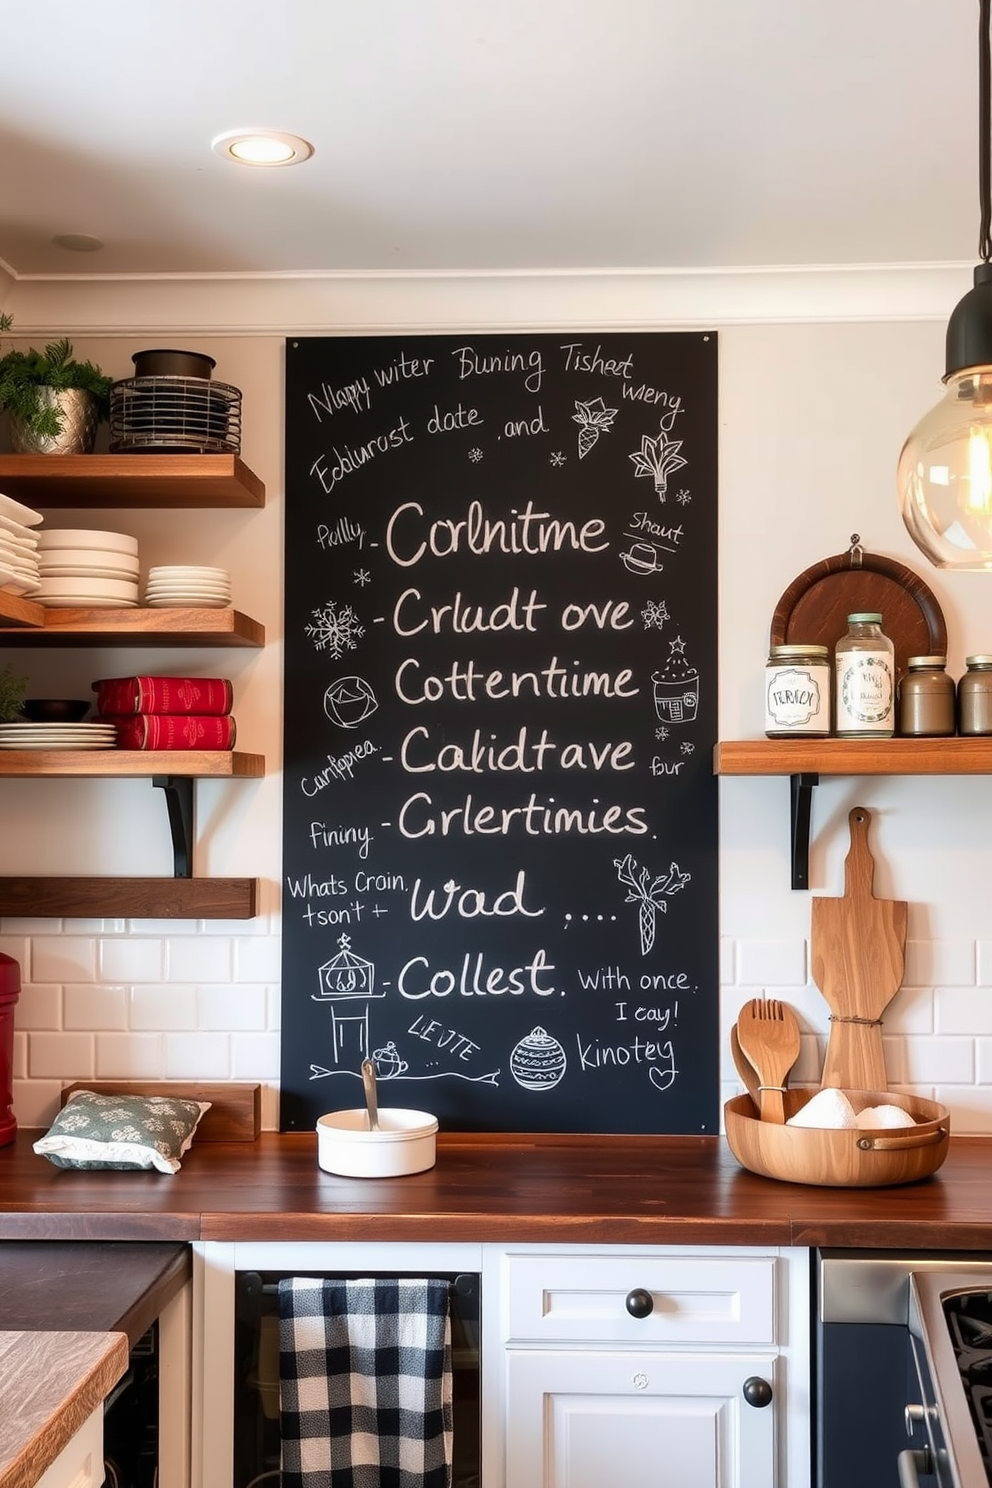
(744, 1067)
(769, 1036)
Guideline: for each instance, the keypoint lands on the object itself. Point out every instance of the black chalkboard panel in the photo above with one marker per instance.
(500, 842)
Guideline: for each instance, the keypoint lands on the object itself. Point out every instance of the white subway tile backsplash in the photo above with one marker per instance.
(199, 1056)
(234, 1008)
(255, 1056)
(728, 958)
(132, 958)
(940, 1061)
(258, 960)
(911, 1011)
(163, 1008)
(61, 1056)
(970, 1109)
(945, 963)
(63, 958)
(198, 959)
(983, 1061)
(39, 1007)
(94, 1007)
(130, 1056)
(963, 1010)
(771, 963)
(36, 1102)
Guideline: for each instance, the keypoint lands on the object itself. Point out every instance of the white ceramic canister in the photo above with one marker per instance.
(404, 1143)
(797, 692)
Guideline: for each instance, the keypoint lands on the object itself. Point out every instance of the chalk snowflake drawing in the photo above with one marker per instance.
(475, 455)
(335, 629)
(593, 418)
(651, 894)
(654, 614)
(557, 459)
(688, 748)
(658, 458)
(683, 498)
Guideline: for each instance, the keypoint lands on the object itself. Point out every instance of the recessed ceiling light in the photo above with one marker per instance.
(78, 242)
(262, 147)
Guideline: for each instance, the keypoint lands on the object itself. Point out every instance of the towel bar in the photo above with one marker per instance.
(464, 1285)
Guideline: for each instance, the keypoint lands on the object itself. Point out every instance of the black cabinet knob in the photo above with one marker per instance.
(639, 1303)
(757, 1392)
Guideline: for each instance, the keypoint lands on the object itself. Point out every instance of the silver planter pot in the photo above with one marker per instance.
(80, 416)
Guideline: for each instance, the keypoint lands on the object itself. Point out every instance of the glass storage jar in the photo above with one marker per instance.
(864, 680)
(797, 692)
(926, 699)
(975, 696)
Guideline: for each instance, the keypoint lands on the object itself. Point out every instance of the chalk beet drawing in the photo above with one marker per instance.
(651, 894)
(658, 458)
(538, 1061)
(594, 419)
(335, 629)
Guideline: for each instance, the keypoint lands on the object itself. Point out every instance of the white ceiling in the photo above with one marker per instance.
(489, 135)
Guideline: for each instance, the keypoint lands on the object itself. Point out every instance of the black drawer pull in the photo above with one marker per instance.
(757, 1391)
(639, 1303)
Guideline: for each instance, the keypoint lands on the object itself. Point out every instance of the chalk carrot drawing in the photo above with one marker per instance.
(593, 418)
(650, 893)
(658, 458)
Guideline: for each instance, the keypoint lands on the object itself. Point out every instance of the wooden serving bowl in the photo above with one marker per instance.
(840, 1159)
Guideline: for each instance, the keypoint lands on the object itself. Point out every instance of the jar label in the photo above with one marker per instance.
(864, 691)
(796, 698)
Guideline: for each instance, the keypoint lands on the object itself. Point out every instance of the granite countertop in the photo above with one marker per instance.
(50, 1384)
(501, 1188)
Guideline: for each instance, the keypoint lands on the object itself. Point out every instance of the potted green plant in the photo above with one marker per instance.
(54, 401)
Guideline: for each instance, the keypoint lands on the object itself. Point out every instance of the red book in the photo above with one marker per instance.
(202, 695)
(172, 731)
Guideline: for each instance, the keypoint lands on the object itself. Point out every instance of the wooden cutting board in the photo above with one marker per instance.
(858, 952)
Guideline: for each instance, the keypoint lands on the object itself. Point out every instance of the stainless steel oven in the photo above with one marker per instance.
(894, 1405)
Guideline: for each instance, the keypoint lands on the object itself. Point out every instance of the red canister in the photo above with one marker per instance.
(10, 990)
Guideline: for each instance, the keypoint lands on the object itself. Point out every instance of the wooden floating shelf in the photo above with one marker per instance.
(957, 756)
(130, 898)
(113, 481)
(20, 612)
(198, 764)
(146, 627)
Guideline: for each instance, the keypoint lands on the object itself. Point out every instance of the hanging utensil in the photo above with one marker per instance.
(857, 951)
(371, 1098)
(769, 1036)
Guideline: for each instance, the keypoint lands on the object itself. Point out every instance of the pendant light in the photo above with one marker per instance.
(945, 469)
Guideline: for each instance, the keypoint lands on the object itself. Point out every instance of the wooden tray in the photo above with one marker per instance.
(816, 605)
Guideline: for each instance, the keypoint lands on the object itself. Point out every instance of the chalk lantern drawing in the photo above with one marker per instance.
(347, 978)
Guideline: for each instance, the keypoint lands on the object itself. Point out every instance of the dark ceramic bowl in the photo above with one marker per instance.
(55, 710)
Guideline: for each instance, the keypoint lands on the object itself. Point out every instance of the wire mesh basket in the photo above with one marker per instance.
(175, 415)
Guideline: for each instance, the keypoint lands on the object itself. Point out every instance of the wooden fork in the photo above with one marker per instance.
(769, 1036)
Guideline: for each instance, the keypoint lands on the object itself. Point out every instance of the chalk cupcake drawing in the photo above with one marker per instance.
(650, 894)
(676, 687)
(658, 458)
(538, 1061)
(335, 628)
(594, 419)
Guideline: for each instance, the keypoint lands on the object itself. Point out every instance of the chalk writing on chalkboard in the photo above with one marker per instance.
(500, 818)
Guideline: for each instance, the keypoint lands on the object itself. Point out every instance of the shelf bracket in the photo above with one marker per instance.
(801, 802)
(179, 801)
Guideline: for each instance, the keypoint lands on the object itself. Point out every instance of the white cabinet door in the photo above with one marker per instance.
(637, 1420)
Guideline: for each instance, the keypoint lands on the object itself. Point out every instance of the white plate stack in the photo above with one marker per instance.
(80, 567)
(57, 736)
(18, 548)
(178, 586)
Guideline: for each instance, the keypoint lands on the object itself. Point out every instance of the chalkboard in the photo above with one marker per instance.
(500, 816)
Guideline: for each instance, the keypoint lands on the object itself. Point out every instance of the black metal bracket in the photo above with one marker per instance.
(801, 803)
(179, 801)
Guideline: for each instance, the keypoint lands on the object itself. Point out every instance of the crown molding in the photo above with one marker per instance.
(376, 303)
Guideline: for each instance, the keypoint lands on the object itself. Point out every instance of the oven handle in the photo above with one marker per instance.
(911, 1464)
(904, 1140)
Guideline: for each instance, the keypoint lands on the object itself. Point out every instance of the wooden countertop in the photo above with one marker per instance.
(50, 1384)
(506, 1189)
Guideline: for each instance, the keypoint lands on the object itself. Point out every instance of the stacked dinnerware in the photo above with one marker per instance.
(172, 586)
(57, 736)
(18, 548)
(80, 567)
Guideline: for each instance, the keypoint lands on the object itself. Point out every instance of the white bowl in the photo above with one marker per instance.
(89, 586)
(404, 1143)
(88, 558)
(18, 512)
(83, 537)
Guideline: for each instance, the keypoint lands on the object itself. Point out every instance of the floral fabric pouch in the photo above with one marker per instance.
(121, 1131)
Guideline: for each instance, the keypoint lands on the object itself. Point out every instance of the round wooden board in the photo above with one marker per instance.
(817, 603)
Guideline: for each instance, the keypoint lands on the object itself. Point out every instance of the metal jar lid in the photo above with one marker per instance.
(788, 653)
(982, 660)
(927, 661)
(867, 617)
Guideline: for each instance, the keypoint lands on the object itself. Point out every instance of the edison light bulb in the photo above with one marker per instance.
(945, 475)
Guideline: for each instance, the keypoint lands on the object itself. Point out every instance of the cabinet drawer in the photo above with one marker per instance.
(80, 1462)
(691, 1299)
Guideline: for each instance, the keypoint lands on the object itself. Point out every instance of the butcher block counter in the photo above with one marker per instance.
(50, 1385)
(560, 1189)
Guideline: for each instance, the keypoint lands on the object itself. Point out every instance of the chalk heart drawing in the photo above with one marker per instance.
(349, 701)
(538, 1061)
(650, 894)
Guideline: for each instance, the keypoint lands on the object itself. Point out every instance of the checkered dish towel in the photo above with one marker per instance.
(365, 1383)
